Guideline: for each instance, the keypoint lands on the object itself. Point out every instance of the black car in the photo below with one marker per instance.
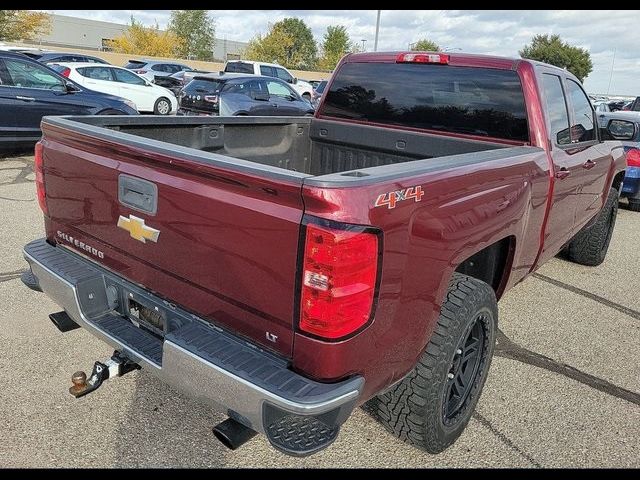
(176, 81)
(228, 94)
(30, 90)
(63, 57)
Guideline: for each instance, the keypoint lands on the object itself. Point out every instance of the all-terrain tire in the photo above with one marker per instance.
(415, 410)
(590, 245)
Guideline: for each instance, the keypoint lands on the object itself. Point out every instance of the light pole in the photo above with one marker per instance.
(613, 62)
(363, 40)
(375, 43)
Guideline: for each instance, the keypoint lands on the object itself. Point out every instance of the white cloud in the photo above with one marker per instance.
(498, 32)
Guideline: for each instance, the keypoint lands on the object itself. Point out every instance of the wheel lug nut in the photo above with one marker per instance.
(459, 351)
(450, 375)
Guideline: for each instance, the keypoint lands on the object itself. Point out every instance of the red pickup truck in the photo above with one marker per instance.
(286, 270)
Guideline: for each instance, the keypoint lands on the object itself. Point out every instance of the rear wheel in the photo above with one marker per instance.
(590, 245)
(431, 407)
(162, 106)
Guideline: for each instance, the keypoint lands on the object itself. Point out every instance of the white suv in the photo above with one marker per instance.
(304, 89)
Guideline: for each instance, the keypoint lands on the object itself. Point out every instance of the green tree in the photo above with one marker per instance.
(425, 45)
(141, 40)
(288, 42)
(196, 29)
(336, 44)
(23, 24)
(551, 49)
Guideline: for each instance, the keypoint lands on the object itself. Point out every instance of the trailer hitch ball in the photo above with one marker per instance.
(79, 380)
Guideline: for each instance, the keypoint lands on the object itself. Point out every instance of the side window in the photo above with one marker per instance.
(125, 76)
(159, 67)
(97, 73)
(583, 130)
(556, 109)
(267, 71)
(28, 75)
(284, 75)
(279, 89)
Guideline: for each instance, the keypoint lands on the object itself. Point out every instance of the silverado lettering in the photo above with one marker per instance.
(282, 291)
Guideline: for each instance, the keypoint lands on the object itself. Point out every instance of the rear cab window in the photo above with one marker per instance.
(470, 100)
(238, 67)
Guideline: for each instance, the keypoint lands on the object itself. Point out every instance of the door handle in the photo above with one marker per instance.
(25, 99)
(589, 164)
(563, 173)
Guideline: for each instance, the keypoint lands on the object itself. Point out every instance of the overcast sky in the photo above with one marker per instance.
(496, 32)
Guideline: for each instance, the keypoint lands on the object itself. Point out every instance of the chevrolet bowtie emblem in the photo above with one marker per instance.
(137, 229)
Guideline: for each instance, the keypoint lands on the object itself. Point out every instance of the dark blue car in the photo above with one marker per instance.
(30, 90)
(631, 182)
(229, 94)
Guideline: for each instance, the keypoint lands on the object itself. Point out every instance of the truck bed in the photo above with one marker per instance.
(299, 144)
(230, 196)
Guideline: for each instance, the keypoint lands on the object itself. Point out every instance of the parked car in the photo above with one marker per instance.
(631, 184)
(634, 105)
(616, 105)
(150, 69)
(176, 81)
(65, 57)
(148, 97)
(30, 90)
(228, 94)
(303, 88)
(317, 93)
(286, 270)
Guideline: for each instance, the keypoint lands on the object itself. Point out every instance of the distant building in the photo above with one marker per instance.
(73, 32)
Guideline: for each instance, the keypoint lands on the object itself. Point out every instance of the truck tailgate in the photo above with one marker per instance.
(226, 240)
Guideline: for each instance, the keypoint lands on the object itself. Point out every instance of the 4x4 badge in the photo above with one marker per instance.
(137, 229)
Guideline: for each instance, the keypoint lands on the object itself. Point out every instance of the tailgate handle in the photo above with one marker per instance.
(138, 194)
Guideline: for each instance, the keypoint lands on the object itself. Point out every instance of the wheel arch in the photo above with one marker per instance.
(491, 264)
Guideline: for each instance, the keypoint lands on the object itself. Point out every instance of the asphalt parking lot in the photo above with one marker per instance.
(563, 391)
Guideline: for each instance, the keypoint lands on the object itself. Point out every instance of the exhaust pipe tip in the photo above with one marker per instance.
(233, 434)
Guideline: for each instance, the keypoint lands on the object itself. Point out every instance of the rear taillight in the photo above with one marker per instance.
(211, 98)
(633, 157)
(439, 58)
(39, 172)
(65, 72)
(339, 275)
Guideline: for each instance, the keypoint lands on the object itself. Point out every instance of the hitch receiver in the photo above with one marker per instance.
(116, 366)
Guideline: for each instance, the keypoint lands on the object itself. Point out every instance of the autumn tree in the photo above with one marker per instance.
(141, 40)
(335, 45)
(425, 45)
(551, 49)
(23, 24)
(196, 30)
(288, 42)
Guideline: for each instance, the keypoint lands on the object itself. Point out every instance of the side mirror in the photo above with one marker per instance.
(621, 129)
(261, 97)
(294, 80)
(70, 87)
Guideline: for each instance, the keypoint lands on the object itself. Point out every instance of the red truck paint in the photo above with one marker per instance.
(231, 222)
